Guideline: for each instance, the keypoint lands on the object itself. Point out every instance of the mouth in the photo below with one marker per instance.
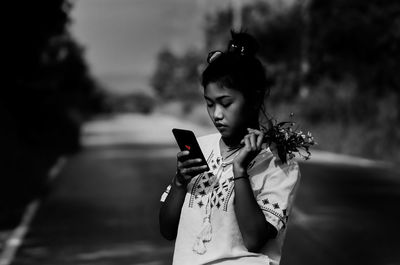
(219, 125)
(221, 128)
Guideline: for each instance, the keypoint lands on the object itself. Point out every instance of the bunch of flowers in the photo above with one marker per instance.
(288, 140)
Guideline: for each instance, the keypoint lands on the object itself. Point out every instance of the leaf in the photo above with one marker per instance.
(283, 122)
(282, 153)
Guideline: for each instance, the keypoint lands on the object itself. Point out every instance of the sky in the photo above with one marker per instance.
(122, 37)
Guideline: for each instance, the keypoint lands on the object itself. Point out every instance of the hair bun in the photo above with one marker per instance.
(242, 43)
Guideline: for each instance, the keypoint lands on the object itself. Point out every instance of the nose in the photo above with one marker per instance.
(218, 114)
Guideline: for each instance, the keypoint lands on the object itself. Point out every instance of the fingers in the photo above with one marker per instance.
(253, 142)
(187, 173)
(247, 143)
(259, 136)
(260, 139)
(250, 130)
(182, 156)
(184, 161)
(193, 170)
(189, 168)
(190, 162)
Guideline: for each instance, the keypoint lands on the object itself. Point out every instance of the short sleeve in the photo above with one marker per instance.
(165, 194)
(276, 190)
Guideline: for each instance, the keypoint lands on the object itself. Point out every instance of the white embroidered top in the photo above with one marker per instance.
(211, 195)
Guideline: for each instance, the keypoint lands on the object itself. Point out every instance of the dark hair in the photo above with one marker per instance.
(238, 68)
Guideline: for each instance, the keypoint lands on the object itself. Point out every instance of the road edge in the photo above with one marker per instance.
(15, 239)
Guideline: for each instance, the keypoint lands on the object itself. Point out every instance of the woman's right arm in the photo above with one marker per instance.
(170, 210)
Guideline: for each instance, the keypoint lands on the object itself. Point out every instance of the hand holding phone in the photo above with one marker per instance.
(190, 161)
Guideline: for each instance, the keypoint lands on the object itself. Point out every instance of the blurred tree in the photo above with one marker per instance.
(47, 91)
(279, 33)
(138, 102)
(343, 40)
(360, 39)
(177, 76)
(48, 86)
(335, 61)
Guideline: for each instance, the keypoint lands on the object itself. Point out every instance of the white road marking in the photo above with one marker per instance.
(16, 237)
(56, 169)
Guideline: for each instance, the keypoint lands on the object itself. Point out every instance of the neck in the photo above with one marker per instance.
(234, 142)
(227, 151)
(227, 144)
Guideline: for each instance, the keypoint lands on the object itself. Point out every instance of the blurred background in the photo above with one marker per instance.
(92, 89)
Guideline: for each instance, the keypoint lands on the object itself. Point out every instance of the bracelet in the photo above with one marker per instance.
(241, 177)
(242, 174)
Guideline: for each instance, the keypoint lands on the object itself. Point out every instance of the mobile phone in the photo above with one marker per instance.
(186, 140)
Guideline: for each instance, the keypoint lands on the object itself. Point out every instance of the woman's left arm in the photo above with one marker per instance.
(256, 231)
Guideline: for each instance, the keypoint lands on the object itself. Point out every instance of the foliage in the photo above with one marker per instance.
(279, 34)
(359, 39)
(288, 140)
(135, 103)
(177, 76)
(47, 92)
(335, 62)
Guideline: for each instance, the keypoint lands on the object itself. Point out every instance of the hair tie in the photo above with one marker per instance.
(236, 48)
(232, 48)
(212, 56)
(241, 44)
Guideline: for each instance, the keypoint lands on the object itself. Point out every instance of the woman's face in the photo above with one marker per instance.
(229, 111)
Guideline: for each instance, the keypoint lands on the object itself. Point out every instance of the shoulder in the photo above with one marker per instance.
(270, 165)
(291, 167)
(208, 140)
(208, 143)
(271, 175)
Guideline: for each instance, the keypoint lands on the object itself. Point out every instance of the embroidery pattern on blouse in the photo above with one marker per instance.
(199, 182)
(221, 195)
(275, 209)
(221, 191)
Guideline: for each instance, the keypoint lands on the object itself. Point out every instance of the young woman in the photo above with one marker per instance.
(236, 213)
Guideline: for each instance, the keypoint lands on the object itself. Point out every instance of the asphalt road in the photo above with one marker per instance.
(103, 209)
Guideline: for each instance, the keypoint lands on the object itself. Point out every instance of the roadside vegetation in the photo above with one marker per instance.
(334, 64)
(47, 93)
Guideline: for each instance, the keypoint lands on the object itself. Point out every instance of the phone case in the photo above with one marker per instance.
(186, 140)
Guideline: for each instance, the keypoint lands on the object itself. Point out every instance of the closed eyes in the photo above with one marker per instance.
(226, 104)
(210, 105)
(223, 103)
